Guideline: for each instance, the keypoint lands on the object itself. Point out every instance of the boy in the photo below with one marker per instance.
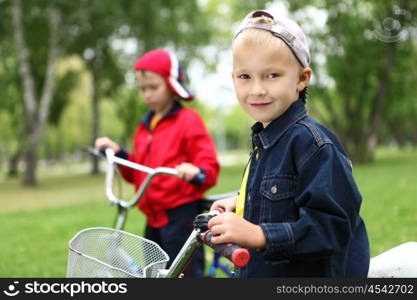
(298, 207)
(169, 135)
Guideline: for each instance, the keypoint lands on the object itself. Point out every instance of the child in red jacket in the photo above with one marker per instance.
(169, 135)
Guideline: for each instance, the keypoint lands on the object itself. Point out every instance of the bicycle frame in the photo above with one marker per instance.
(123, 205)
(195, 239)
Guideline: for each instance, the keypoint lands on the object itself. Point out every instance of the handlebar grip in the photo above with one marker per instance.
(237, 255)
(102, 151)
(94, 151)
(201, 221)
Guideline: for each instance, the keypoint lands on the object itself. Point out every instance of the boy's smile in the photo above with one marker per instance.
(267, 78)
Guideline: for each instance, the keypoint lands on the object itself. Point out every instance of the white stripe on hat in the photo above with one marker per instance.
(174, 65)
(173, 78)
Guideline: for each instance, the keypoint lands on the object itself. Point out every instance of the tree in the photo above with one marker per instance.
(11, 119)
(96, 22)
(367, 56)
(35, 110)
(98, 26)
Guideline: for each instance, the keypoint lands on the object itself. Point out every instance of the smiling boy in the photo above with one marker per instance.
(298, 207)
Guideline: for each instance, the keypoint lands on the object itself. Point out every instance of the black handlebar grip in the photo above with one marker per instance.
(237, 255)
(201, 221)
(102, 151)
(94, 151)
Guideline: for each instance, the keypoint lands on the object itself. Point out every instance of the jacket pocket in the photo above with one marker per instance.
(278, 194)
(278, 187)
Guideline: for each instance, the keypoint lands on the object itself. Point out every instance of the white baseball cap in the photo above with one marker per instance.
(285, 29)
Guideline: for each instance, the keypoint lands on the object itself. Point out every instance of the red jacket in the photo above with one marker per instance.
(180, 136)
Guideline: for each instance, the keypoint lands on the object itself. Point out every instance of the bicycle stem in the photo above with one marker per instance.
(121, 218)
(184, 256)
(187, 251)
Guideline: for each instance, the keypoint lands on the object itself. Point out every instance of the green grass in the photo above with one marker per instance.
(52, 192)
(389, 192)
(37, 223)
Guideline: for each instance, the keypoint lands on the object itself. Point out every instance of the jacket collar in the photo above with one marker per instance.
(267, 137)
(146, 120)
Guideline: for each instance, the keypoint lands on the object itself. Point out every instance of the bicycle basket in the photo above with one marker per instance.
(105, 252)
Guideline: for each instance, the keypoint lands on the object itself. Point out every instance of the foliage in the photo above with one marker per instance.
(362, 62)
(98, 32)
(362, 87)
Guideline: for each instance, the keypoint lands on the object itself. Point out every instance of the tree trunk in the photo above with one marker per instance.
(379, 101)
(95, 126)
(29, 178)
(17, 156)
(36, 114)
(14, 164)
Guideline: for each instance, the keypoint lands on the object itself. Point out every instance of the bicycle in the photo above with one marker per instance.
(216, 262)
(111, 252)
(399, 261)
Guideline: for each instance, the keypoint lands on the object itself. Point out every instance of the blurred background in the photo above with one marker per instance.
(66, 78)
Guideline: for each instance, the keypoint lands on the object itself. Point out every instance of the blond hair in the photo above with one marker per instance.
(254, 36)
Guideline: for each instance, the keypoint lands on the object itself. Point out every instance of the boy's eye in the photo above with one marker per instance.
(148, 87)
(272, 75)
(243, 76)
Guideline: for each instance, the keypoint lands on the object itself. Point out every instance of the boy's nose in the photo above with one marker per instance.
(146, 94)
(258, 89)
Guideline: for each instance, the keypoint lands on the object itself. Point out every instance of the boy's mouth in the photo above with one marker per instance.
(260, 104)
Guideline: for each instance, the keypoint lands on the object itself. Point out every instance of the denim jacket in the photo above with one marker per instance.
(302, 193)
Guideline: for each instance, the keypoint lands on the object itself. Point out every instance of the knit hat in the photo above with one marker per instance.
(167, 65)
(283, 28)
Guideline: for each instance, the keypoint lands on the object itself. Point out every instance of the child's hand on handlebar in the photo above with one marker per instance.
(231, 228)
(187, 171)
(105, 142)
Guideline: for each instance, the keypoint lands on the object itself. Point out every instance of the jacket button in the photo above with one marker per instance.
(274, 189)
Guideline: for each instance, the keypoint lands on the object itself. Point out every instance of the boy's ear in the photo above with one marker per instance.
(304, 78)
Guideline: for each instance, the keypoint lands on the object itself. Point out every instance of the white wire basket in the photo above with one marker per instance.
(104, 252)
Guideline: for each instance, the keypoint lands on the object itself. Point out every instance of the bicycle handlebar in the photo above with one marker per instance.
(111, 160)
(237, 255)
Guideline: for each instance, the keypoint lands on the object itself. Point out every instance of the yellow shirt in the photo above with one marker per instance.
(240, 204)
(154, 121)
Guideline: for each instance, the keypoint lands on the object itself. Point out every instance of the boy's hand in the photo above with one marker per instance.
(187, 171)
(105, 142)
(228, 204)
(231, 228)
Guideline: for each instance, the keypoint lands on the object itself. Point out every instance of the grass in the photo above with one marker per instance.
(37, 223)
(389, 192)
(52, 192)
